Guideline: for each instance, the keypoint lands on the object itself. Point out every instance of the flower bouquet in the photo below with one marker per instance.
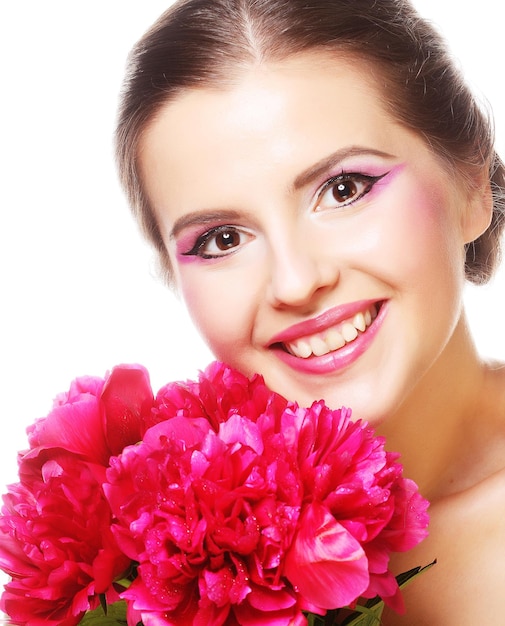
(217, 502)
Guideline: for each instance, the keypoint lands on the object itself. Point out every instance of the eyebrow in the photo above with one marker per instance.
(202, 218)
(328, 162)
(304, 178)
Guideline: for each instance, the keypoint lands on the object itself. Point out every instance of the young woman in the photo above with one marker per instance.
(319, 183)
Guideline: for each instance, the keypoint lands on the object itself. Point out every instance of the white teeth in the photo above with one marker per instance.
(333, 339)
(304, 349)
(294, 350)
(349, 333)
(319, 347)
(359, 322)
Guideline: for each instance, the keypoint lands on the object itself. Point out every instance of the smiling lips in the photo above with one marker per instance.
(333, 338)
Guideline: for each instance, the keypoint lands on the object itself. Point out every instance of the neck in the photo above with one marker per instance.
(431, 429)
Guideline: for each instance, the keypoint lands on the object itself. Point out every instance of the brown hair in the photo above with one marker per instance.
(200, 43)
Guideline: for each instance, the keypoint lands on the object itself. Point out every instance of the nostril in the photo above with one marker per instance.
(299, 285)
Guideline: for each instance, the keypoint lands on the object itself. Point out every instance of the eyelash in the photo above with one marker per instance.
(351, 177)
(205, 238)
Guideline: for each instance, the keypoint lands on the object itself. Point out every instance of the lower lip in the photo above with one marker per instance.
(339, 359)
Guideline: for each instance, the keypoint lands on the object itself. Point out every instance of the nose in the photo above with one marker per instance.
(300, 273)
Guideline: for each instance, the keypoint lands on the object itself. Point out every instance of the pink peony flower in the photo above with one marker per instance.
(358, 510)
(55, 529)
(57, 545)
(242, 508)
(98, 417)
(226, 504)
(209, 517)
(219, 392)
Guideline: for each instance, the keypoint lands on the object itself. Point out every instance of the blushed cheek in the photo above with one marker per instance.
(425, 238)
(211, 309)
(196, 299)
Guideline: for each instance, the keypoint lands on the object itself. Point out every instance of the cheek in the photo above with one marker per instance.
(422, 235)
(219, 307)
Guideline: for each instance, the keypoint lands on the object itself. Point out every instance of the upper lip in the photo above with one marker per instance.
(323, 321)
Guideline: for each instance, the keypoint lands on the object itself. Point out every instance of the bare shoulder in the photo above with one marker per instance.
(467, 537)
(467, 526)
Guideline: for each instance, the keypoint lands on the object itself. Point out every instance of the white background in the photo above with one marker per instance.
(78, 294)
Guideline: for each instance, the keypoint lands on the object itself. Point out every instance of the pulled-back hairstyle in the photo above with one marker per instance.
(205, 43)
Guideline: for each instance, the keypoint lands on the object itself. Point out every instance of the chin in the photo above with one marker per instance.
(373, 412)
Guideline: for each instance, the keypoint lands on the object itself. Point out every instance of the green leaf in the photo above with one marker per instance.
(365, 616)
(369, 614)
(124, 582)
(407, 577)
(113, 615)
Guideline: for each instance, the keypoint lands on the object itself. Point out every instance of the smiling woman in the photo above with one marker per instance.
(311, 230)
(319, 183)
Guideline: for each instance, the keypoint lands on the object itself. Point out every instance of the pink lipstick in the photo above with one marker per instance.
(333, 340)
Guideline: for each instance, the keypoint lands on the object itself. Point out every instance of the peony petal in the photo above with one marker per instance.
(126, 400)
(75, 427)
(241, 430)
(267, 600)
(326, 564)
(253, 613)
(191, 431)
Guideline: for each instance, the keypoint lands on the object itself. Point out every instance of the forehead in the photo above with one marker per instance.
(272, 83)
(274, 120)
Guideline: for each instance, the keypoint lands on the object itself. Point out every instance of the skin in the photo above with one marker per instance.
(245, 157)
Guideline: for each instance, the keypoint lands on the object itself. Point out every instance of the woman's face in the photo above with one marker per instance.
(314, 239)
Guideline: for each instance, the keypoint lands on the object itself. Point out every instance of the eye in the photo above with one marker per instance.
(344, 190)
(218, 242)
